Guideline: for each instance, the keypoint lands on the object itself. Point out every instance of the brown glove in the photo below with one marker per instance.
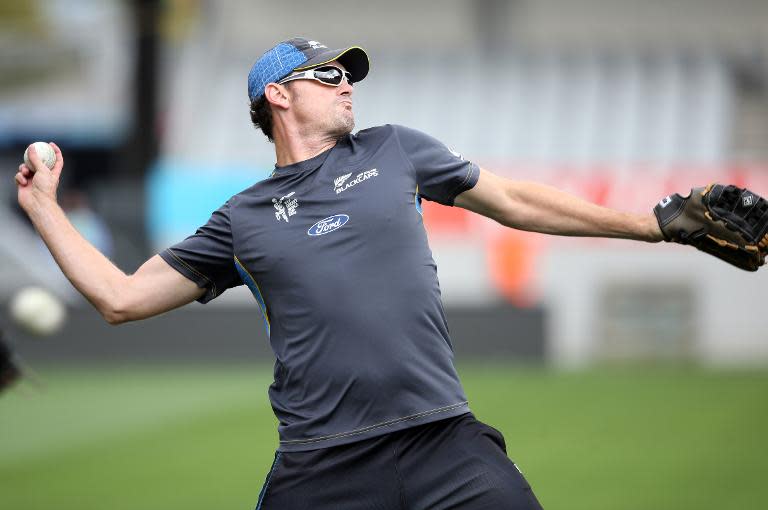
(728, 222)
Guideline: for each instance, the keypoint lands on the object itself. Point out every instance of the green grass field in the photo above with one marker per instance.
(203, 438)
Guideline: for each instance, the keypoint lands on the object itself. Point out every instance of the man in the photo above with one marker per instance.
(333, 247)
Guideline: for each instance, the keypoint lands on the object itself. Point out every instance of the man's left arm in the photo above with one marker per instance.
(540, 208)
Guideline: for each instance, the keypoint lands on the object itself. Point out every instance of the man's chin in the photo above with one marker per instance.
(344, 128)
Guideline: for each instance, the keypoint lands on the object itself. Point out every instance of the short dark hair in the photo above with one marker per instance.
(261, 116)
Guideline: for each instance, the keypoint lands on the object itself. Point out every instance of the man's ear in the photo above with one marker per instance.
(277, 95)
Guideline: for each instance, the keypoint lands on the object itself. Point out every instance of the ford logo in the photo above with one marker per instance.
(328, 224)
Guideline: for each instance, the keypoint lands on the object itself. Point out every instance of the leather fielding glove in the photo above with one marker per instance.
(726, 221)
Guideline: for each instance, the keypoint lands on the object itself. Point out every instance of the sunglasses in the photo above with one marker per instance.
(330, 75)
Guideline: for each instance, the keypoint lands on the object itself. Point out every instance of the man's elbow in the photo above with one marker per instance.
(510, 215)
(114, 317)
(117, 313)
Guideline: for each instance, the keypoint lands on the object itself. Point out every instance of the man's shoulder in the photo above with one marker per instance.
(386, 130)
(403, 135)
(256, 191)
(374, 132)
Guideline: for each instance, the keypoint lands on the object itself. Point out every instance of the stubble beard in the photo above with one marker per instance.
(331, 129)
(333, 126)
(341, 126)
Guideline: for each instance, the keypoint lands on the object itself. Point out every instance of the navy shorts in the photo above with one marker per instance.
(457, 463)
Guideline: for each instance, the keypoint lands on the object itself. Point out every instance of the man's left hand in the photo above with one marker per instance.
(726, 221)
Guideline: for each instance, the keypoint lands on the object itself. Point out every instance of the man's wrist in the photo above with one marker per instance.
(38, 205)
(653, 233)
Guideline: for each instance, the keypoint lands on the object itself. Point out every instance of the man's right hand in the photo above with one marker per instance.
(155, 287)
(38, 184)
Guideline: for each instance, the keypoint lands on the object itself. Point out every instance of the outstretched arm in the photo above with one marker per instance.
(155, 288)
(540, 208)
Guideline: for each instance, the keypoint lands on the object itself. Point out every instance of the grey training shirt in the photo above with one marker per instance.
(335, 252)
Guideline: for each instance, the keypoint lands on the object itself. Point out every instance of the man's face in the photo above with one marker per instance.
(323, 109)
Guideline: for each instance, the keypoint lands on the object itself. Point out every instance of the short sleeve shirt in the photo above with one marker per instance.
(335, 253)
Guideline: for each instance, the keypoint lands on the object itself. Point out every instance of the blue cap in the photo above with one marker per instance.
(299, 54)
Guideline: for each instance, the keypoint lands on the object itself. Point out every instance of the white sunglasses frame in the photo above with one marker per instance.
(310, 75)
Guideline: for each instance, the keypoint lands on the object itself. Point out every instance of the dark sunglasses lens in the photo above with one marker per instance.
(329, 75)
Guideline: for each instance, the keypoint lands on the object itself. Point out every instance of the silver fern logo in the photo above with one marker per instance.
(341, 184)
(338, 182)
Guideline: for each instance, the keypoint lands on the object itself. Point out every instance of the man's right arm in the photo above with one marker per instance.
(155, 287)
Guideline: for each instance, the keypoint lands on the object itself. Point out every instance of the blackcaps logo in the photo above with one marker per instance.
(328, 225)
(339, 183)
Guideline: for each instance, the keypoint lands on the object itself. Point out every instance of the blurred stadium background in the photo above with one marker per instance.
(624, 376)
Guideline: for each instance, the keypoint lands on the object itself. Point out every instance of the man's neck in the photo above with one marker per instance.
(295, 147)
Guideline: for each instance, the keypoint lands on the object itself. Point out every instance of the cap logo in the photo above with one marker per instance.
(316, 45)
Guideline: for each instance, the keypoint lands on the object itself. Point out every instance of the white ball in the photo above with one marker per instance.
(37, 311)
(44, 151)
